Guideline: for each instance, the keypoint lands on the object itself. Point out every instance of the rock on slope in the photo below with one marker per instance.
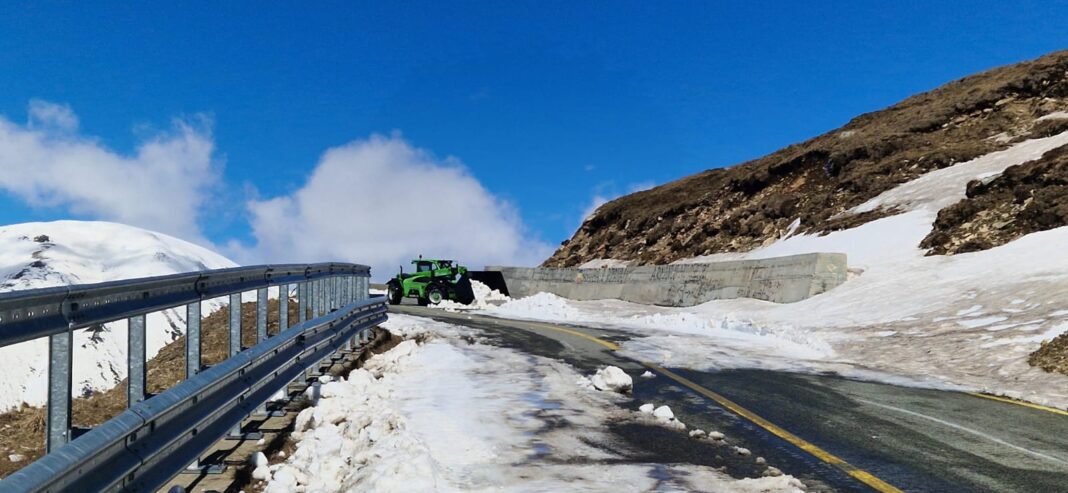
(751, 204)
(38, 255)
(1026, 198)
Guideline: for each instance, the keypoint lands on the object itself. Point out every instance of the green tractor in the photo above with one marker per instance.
(432, 282)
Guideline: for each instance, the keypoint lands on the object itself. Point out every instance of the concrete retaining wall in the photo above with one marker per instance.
(781, 279)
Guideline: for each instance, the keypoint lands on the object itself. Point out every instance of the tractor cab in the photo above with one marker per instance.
(422, 265)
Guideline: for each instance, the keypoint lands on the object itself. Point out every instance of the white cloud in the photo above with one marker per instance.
(161, 186)
(47, 115)
(381, 202)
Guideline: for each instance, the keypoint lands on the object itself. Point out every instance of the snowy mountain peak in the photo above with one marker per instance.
(46, 254)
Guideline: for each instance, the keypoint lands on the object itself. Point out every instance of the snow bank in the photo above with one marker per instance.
(82, 252)
(671, 332)
(449, 415)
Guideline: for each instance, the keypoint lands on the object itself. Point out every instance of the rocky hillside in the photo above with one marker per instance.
(1026, 198)
(816, 182)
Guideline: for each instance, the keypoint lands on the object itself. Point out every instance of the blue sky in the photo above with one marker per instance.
(549, 106)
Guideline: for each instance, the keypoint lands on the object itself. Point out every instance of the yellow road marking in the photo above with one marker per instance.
(610, 345)
(1021, 403)
(858, 474)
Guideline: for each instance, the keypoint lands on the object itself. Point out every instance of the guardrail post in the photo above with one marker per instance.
(302, 302)
(313, 299)
(323, 309)
(328, 294)
(334, 293)
(283, 307)
(235, 323)
(262, 300)
(59, 386)
(324, 293)
(135, 356)
(261, 315)
(192, 339)
(317, 298)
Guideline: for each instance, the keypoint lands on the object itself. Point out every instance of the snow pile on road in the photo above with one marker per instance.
(449, 415)
(40, 255)
(485, 294)
(967, 321)
(610, 378)
(662, 415)
(485, 298)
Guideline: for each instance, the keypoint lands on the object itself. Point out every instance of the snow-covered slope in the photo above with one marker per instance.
(967, 320)
(38, 255)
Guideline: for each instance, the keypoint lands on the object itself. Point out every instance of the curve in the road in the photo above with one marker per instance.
(841, 431)
(827, 457)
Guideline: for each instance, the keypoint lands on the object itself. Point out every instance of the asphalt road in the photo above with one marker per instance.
(833, 433)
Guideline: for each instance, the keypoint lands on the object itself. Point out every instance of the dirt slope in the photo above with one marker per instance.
(744, 206)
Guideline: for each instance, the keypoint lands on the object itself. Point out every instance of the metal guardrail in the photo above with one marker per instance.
(156, 438)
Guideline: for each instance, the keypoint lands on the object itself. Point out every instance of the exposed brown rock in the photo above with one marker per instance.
(1052, 356)
(1026, 198)
(747, 205)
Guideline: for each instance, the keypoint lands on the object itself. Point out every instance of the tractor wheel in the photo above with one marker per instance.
(394, 293)
(436, 294)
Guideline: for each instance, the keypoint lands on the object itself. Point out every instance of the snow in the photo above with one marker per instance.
(610, 378)
(938, 189)
(1056, 115)
(664, 413)
(671, 329)
(605, 263)
(82, 252)
(451, 415)
(964, 322)
(485, 297)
